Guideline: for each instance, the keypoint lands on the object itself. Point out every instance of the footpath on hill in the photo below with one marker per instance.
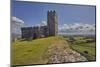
(59, 52)
(44, 51)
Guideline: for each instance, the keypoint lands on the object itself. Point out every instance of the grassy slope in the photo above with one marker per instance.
(81, 49)
(31, 52)
(89, 47)
(36, 51)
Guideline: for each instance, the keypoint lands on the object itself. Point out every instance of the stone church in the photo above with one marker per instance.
(51, 29)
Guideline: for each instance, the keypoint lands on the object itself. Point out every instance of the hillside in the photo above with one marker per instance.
(43, 51)
(86, 45)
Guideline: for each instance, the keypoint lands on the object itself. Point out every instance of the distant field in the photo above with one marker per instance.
(32, 52)
(84, 45)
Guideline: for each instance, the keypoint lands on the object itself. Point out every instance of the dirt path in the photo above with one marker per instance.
(60, 52)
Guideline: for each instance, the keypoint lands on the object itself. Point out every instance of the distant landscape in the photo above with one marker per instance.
(86, 45)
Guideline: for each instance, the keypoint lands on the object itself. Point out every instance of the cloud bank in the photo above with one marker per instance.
(16, 24)
(77, 29)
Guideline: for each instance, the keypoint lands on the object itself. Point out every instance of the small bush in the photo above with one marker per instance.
(86, 52)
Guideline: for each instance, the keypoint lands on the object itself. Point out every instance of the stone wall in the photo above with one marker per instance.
(34, 32)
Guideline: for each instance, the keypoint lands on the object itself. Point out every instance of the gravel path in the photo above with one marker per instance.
(59, 52)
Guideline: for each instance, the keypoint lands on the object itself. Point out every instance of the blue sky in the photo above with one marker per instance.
(33, 13)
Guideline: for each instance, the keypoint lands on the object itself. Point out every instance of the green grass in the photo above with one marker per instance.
(80, 45)
(36, 51)
(91, 51)
(31, 52)
(90, 45)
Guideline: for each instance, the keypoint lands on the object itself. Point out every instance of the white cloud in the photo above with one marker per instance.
(16, 24)
(17, 20)
(77, 28)
(43, 23)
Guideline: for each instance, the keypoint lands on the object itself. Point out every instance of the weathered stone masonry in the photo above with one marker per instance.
(42, 31)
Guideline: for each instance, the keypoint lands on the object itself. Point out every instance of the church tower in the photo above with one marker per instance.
(52, 23)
